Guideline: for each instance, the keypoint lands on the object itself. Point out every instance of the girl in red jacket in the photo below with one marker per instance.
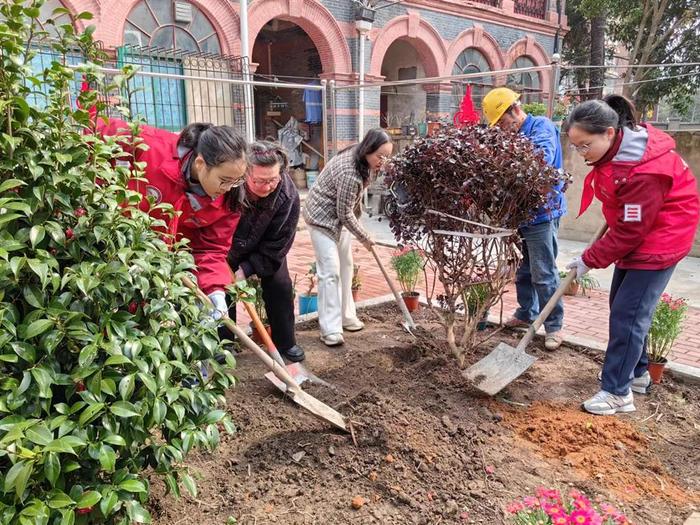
(650, 202)
(195, 172)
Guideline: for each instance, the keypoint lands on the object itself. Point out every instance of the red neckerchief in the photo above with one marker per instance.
(588, 191)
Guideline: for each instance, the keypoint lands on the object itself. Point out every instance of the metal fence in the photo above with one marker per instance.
(190, 88)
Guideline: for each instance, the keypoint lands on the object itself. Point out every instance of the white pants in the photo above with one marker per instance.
(334, 270)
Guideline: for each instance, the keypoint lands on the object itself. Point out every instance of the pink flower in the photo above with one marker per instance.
(531, 502)
(584, 517)
(549, 494)
(515, 507)
(553, 510)
(561, 519)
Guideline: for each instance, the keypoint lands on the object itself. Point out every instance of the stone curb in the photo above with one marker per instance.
(689, 373)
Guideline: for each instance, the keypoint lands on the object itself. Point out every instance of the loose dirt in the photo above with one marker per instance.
(429, 449)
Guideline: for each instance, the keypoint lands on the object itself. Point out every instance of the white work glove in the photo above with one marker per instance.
(218, 298)
(578, 265)
(239, 275)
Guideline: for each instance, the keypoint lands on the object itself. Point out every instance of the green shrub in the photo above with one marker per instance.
(96, 330)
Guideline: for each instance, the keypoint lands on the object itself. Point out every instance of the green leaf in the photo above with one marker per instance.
(214, 417)
(137, 513)
(89, 499)
(60, 445)
(60, 499)
(123, 409)
(38, 327)
(117, 359)
(44, 380)
(17, 476)
(10, 184)
(108, 458)
(126, 386)
(36, 235)
(33, 296)
(132, 485)
(39, 268)
(39, 434)
(52, 468)
(90, 413)
(67, 517)
(149, 382)
(189, 484)
(115, 439)
(87, 355)
(109, 501)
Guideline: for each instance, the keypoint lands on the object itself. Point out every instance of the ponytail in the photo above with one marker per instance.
(596, 116)
(189, 137)
(625, 110)
(268, 153)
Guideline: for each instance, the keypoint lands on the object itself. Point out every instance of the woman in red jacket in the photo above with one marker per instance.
(650, 202)
(200, 172)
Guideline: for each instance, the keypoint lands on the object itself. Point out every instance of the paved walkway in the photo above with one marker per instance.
(585, 317)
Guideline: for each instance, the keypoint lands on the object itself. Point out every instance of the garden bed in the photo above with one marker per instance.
(429, 449)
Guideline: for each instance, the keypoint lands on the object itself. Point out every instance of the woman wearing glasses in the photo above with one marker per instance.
(200, 173)
(265, 235)
(332, 212)
(650, 203)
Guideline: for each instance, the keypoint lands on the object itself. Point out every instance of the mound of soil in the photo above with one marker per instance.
(426, 448)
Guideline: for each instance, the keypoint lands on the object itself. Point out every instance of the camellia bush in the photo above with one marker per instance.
(97, 332)
(461, 195)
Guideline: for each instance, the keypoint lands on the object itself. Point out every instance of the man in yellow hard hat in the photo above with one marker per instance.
(538, 277)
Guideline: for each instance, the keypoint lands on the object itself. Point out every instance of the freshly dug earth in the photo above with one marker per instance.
(430, 449)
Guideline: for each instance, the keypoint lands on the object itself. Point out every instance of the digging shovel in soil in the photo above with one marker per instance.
(505, 363)
(297, 370)
(291, 388)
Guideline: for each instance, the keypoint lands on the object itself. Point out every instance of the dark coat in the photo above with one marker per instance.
(266, 231)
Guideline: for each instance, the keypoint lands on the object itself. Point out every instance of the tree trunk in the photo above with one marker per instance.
(597, 57)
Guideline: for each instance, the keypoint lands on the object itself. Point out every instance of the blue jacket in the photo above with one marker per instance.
(545, 135)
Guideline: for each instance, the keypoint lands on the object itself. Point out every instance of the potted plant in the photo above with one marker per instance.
(665, 328)
(582, 284)
(308, 301)
(356, 282)
(408, 264)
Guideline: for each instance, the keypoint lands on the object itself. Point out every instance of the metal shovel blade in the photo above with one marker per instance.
(297, 372)
(502, 366)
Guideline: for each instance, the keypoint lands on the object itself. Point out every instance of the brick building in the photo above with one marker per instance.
(303, 40)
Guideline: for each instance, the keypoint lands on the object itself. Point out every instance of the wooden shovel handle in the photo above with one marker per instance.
(279, 371)
(394, 290)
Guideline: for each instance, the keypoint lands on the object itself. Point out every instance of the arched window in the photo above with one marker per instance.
(170, 24)
(471, 60)
(528, 82)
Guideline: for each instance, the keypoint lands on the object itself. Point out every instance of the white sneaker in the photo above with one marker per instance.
(333, 339)
(640, 385)
(607, 404)
(354, 326)
(553, 340)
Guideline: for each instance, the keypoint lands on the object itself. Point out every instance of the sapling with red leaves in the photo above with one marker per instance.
(461, 195)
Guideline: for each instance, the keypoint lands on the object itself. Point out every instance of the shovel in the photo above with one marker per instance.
(301, 398)
(505, 363)
(297, 370)
(408, 323)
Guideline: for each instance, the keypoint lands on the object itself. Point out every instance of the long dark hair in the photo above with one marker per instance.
(374, 139)
(216, 145)
(596, 116)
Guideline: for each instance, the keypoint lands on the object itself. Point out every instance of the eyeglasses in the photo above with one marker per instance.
(265, 182)
(230, 184)
(581, 149)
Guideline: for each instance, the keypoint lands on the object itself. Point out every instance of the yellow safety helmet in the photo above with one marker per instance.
(496, 103)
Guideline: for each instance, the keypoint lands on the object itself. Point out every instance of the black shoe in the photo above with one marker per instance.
(294, 354)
